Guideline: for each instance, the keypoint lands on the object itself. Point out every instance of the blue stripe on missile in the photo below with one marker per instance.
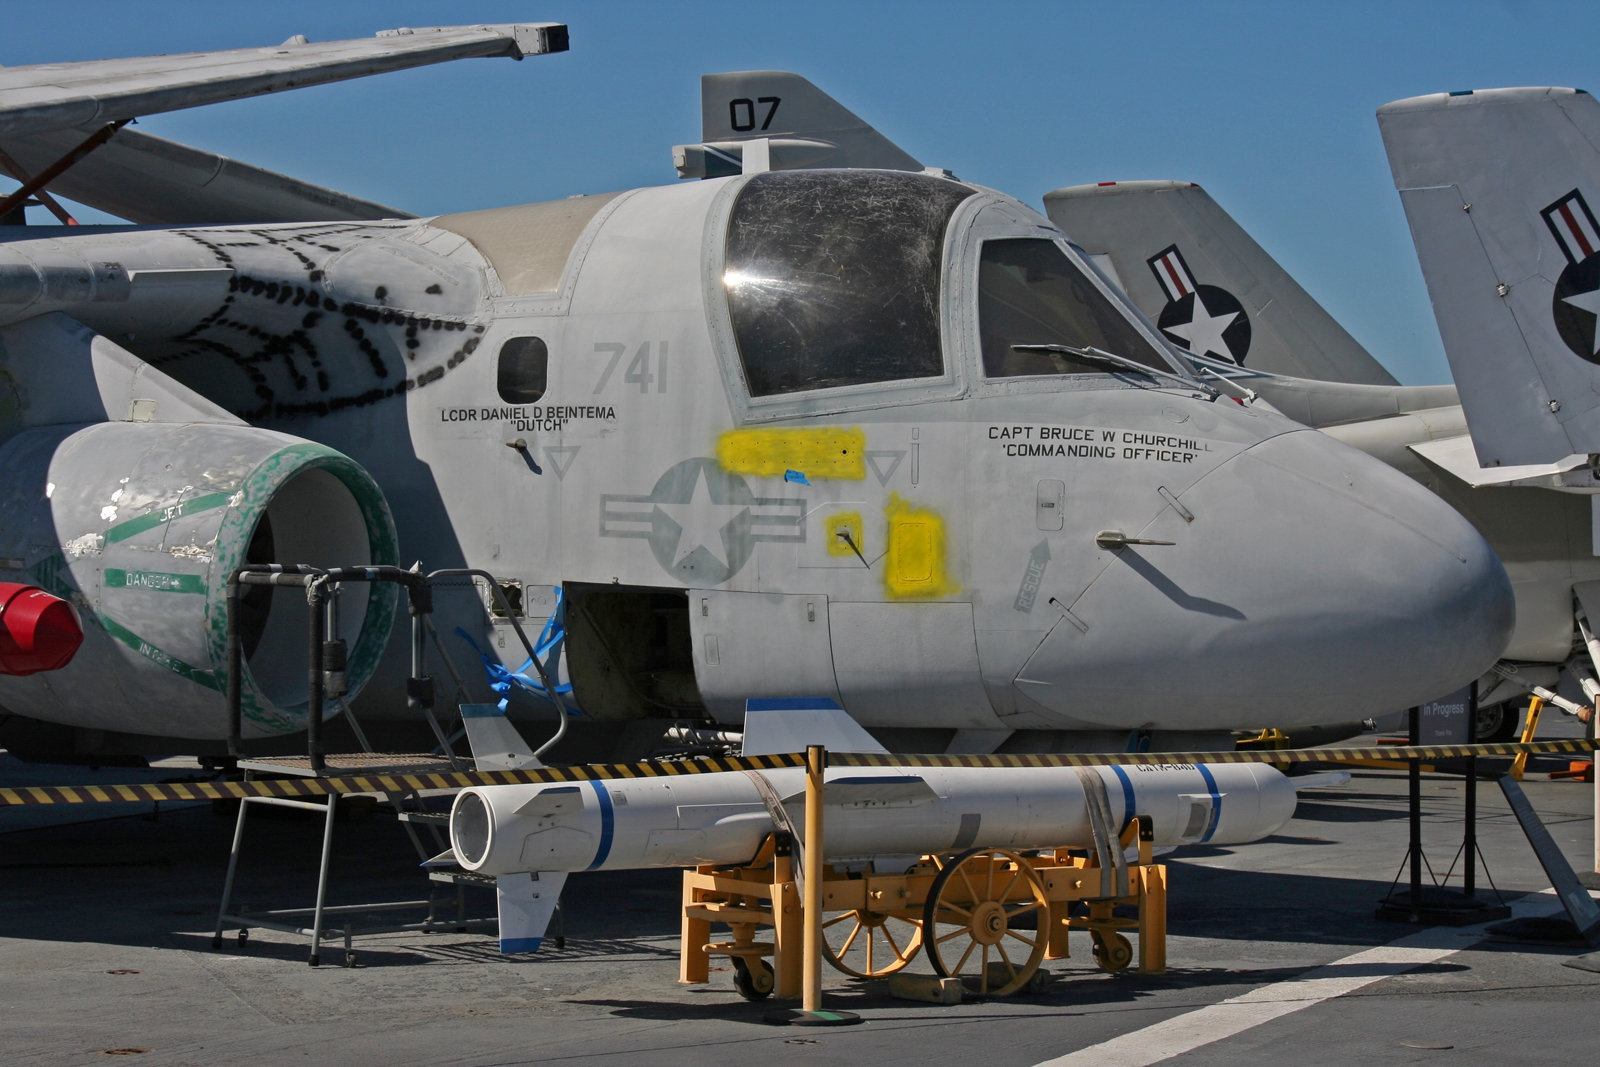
(1216, 800)
(520, 944)
(608, 823)
(1128, 809)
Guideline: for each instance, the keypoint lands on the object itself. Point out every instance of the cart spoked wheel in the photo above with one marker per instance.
(865, 944)
(1112, 953)
(752, 978)
(967, 920)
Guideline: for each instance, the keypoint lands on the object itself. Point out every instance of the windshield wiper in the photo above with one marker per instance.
(1111, 359)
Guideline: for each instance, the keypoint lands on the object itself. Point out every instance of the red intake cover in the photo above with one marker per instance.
(38, 632)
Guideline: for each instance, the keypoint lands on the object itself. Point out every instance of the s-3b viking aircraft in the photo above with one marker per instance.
(824, 423)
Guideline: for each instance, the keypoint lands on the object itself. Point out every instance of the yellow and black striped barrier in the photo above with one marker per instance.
(399, 783)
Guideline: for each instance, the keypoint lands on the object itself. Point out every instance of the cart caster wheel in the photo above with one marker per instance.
(1113, 954)
(349, 959)
(753, 983)
(244, 938)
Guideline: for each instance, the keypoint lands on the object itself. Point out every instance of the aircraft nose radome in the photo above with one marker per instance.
(1315, 584)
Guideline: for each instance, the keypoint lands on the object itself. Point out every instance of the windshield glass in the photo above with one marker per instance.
(1030, 293)
(833, 277)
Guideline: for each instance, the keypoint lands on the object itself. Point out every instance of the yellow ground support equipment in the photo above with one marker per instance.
(987, 915)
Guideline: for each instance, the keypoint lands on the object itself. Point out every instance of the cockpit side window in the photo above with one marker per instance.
(1030, 293)
(833, 277)
(523, 369)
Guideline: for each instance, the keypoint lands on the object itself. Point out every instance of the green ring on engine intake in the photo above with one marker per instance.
(234, 533)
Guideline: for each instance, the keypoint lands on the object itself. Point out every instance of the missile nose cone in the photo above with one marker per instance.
(1315, 584)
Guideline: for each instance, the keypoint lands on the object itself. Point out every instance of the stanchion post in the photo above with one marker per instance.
(1469, 873)
(811, 973)
(1416, 819)
(811, 1012)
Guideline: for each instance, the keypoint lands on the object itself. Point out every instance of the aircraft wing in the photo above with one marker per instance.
(156, 182)
(61, 96)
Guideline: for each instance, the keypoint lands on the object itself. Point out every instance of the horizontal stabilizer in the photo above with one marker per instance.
(1319, 403)
(526, 903)
(156, 182)
(1456, 456)
(1496, 187)
(797, 125)
(496, 744)
(1169, 246)
(788, 724)
(59, 96)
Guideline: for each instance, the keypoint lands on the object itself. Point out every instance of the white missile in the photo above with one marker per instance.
(875, 814)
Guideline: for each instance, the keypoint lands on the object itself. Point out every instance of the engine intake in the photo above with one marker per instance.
(138, 525)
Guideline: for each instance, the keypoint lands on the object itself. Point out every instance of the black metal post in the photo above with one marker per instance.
(314, 596)
(1470, 843)
(1416, 819)
(235, 681)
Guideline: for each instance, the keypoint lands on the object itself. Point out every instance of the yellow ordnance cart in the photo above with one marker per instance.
(986, 914)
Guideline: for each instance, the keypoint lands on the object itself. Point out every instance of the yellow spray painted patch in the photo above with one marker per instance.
(845, 522)
(915, 563)
(816, 452)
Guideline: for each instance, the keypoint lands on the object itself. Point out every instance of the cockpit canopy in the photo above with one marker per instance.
(834, 278)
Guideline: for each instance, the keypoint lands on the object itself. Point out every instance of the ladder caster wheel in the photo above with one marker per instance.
(753, 983)
(349, 959)
(216, 943)
(244, 938)
(315, 960)
(1112, 954)
(561, 942)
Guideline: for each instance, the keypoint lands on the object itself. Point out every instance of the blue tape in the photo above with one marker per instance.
(520, 944)
(1216, 800)
(795, 476)
(1128, 811)
(548, 650)
(608, 825)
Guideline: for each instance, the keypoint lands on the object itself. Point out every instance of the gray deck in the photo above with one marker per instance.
(84, 899)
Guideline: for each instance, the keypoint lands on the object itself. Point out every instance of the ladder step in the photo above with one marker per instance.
(439, 818)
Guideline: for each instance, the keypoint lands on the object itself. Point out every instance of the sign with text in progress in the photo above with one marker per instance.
(1450, 719)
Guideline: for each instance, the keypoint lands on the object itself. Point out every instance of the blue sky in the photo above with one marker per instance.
(1268, 105)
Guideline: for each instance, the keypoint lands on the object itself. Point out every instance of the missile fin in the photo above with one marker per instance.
(496, 744)
(526, 903)
(557, 800)
(789, 724)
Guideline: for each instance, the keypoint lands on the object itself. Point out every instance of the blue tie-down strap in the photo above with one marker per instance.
(547, 648)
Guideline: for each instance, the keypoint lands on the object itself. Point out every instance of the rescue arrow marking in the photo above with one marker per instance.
(1033, 577)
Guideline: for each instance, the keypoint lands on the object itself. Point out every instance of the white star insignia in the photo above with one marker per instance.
(1589, 302)
(1203, 331)
(700, 522)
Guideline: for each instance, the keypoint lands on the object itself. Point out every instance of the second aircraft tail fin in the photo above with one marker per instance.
(1495, 185)
(1210, 287)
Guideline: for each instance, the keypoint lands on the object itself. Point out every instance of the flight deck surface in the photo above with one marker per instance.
(105, 934)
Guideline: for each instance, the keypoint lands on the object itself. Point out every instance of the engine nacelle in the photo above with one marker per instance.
(139, 524)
